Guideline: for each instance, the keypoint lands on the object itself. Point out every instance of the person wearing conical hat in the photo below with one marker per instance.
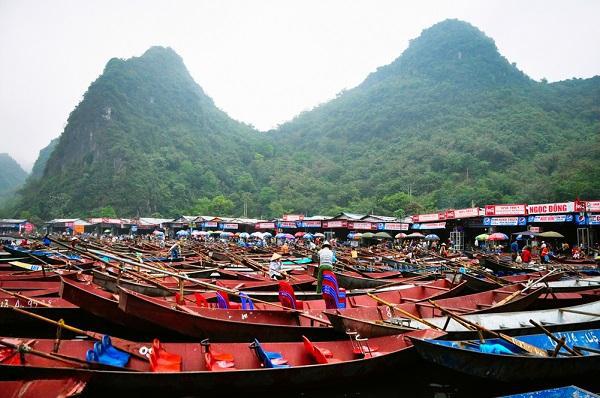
(326, 260)
(275, 267)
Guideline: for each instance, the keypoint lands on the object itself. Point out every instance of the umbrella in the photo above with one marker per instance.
(401, 235)
(415, 235)
(215, 232)
(107, 231)
(432, 237)
(288, 236)
(482, 237)
(183, 232)
(196, 232)
(202, 233)
(551, 234)
(257, 234)
(280, 235)
(383, 235)
(267, 234)
(244, 235)
(299, 234)
(226, 234)
(357, 236)
(368, 235)
(307, 236)
(155, 232)
(319, 235)
(525, 233)
(497, 236)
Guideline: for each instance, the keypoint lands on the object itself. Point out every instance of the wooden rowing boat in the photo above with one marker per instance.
(514, 364)
(240, 368)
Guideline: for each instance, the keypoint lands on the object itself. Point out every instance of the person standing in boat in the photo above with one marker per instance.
(326, 261)
(174, 250)
(514, 250)
(275, 267)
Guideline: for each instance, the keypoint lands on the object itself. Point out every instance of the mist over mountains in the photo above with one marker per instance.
(450, 121)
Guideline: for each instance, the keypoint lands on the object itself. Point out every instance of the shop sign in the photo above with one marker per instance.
(393, 226)
(551, 218)
(504, 221)
(309, 224)
(550, 208)
(210, 224)
(505, 210)
(361, 225)
(429, 217)
(265, 225)
(431, 225)
(462, 213)
(335, 224)
(287, 224)
(293, 217)
(592, 205)
(229, 226)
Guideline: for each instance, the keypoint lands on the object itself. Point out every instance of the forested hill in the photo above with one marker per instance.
(40, 164)
(145, 139)
(448, 123)
(451, 121)
(11, 177)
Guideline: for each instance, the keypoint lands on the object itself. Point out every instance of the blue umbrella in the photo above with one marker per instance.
(183, 232)
(280, 236)
(307, 236)
(267, 234)
(432, 237)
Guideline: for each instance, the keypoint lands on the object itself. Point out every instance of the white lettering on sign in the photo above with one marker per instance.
(505, 210)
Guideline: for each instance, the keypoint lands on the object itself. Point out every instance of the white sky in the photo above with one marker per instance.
(263, 62)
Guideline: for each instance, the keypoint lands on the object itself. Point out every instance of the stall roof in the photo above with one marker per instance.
(348, 216)
(76, 221)
(12, 221)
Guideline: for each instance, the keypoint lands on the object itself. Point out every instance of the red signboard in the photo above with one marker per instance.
(550, 208)
(293, 217)
(335, 224)
(593, 205)
(362, 225)
(395, 226)
(429, 217)
(505, 210)
(462, 213)
(264, 225)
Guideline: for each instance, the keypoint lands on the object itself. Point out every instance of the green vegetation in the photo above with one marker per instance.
(11, 177)
(449, 122)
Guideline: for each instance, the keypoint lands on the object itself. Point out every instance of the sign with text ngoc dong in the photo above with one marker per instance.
(335, 224)
(210, 224)
(551, 208)
(229, 226)
(505, 210)
(551, 218)
(507, 221)
(362, 225)
(264, 225)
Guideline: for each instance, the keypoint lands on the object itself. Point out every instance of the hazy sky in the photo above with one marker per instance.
(262, 62)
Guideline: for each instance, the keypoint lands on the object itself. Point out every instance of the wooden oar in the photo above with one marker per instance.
(403, 312)
(579, 312)
(521, 344)
(121, 344)
(557, 341)
(529, 285)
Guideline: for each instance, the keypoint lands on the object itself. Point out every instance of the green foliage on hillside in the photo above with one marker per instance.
(11, 176)
(40, 164)
(449, 122)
